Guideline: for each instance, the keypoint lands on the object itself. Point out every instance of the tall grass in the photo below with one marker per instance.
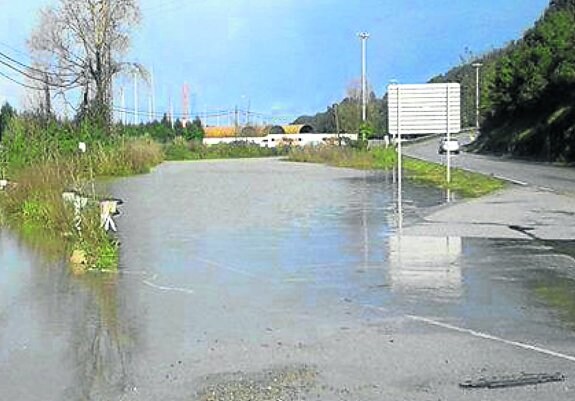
(128, 156)
(43, 162)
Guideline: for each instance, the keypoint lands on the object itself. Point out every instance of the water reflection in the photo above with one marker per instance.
(426, 263)
(61, 337)
(101, 344)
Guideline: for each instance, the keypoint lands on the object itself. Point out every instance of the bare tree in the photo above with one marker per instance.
(82, 43)
(353, 90)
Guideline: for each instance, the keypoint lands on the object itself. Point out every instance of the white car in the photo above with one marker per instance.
(452, 145)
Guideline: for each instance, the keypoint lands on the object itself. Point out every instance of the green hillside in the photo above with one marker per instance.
(527, 93)
(528, 107)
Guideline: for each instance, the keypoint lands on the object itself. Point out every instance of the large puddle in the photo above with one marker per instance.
(245, 265)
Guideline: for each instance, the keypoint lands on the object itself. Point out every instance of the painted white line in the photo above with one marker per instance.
(493, 338)
(547, 189)
(230, 268)
(163, 288)
(522, 183)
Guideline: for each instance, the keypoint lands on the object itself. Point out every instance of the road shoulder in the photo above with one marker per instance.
(516, 213)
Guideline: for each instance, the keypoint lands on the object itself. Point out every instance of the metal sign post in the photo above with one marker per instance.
(399, 165)
(448, 140)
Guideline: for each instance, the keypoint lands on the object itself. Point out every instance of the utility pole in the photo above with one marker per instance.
(123, 106)
(248, 112)
(477, 66)
(152, 83)
(171, 112)
(185, 103)
(47, 98)
(236, 118)
(136, 119)
(336, 123)
(363, 36)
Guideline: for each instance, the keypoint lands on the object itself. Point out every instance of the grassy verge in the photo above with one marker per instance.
(43, 163)
(464, 183)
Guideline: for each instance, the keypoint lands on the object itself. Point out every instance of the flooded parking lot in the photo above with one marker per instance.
(263, 279)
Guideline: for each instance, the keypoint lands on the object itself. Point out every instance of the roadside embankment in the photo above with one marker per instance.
(42, 162)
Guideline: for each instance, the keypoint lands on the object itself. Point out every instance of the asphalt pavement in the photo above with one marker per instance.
(537, 203)
(540, 175)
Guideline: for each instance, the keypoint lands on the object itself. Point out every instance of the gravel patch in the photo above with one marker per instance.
(288, 383)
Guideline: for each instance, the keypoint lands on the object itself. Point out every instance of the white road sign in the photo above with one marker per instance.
(417, 109)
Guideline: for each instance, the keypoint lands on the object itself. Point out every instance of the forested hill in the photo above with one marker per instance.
(527, 92)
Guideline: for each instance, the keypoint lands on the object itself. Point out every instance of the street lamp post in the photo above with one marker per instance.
(363, 36)
(477, 66)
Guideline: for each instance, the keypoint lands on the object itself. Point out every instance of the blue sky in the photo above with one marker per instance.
(290, 57)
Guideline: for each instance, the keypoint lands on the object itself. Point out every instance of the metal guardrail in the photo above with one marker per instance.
(382, 143)
(423, 138)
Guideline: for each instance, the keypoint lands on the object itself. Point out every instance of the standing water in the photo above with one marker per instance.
(262, 278)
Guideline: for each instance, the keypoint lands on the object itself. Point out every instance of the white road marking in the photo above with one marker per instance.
(163, 288)
(522, 183)
(493, 338)
(230, 268)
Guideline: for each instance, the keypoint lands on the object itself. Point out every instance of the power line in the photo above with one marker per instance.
(34, 68)
(35, 78)
(20, 83)
(204, 114)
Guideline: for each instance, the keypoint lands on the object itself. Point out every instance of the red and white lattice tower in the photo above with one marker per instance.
(185, 103)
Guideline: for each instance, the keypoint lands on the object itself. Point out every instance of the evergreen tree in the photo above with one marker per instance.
(6, 113)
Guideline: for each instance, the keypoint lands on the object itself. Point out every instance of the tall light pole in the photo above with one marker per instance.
(477, 66)
(363, 36)
(153, 103)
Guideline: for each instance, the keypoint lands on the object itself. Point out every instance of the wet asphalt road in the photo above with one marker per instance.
(260, 279)
(541, 175)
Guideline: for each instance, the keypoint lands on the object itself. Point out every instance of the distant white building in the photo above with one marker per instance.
(271, 137)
